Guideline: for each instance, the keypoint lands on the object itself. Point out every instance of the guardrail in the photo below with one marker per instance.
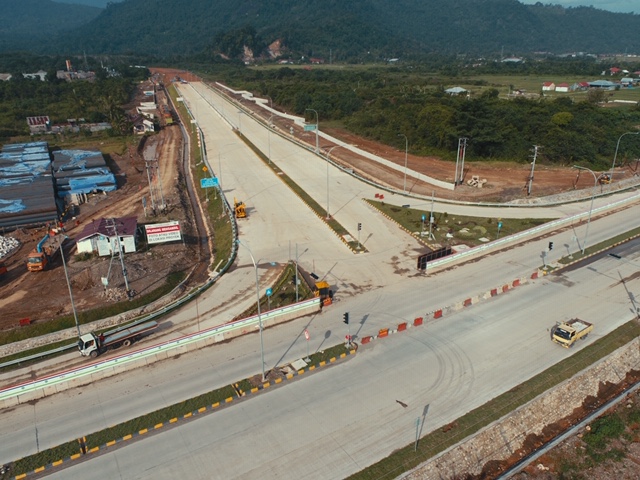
(55, 383)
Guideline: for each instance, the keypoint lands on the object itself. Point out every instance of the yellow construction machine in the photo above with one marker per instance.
(239, 208)
(323, 290)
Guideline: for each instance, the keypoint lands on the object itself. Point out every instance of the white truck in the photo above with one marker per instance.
(92, 345)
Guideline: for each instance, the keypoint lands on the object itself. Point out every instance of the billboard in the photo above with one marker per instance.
(163, 232)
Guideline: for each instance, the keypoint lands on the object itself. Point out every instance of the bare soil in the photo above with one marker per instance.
(41, 296)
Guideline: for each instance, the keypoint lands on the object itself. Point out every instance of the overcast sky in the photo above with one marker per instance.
(624, 6)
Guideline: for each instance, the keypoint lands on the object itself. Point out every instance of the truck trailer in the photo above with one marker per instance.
(92, 345)
(566, 333)
(45, 252)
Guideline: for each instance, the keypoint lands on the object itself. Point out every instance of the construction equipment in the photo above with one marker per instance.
(323, 290)
(45, 252)
(92, 345)
(239, 208)
(604, 179)
(566, 333)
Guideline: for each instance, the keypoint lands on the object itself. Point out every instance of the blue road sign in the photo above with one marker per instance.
(309, 127)
(269, 292)
(209, 182)
(499, 224)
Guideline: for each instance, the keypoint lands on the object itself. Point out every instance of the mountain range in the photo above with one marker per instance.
(344, 31)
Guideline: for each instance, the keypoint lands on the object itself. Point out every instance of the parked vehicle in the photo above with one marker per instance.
(566, 333)
(92, 345)
(45, 252)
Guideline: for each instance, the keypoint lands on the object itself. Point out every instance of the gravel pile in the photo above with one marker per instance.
(7, 245)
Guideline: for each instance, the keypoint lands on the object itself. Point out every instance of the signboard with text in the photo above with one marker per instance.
(163, 232)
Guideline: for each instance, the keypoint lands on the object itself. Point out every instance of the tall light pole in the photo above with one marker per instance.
(595, 185)
(66, 275)
(406, 151)
(328, 157)
(255, 266)
(297, 257)
(317, 142)
(269, 136)
(616, 154)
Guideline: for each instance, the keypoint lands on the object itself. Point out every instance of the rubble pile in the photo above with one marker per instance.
(7, 245)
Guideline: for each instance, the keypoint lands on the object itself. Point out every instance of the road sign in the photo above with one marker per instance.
(269, 292)
(306, 334)
(499, 224)
(309, 127)
(205, 169)
(209, 182)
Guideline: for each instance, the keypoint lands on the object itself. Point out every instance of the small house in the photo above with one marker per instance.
(101, 236)
(548, 87)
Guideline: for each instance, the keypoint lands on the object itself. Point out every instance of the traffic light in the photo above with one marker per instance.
(359, 226)
(345, 317)
(550, 246)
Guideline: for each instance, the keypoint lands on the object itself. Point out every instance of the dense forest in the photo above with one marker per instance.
(98, 101)
(363, 31)
(382, 103)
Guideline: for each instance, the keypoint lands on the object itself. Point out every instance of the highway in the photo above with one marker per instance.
(339, 420)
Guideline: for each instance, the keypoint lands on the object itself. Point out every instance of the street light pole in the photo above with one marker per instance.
(255, 266)
(269, 136)
(595, 185)
(616, 154)
(317, 141)
(328, 157)
(297, 257)
(66, 275)
(406, 151)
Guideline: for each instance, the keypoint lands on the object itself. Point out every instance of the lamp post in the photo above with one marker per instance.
(269, 136)
(406, 150)
(297, 257)
(595, 185)
(66, 275)
(328, 157)
(255, 266)
(317, 142)
(616, 154)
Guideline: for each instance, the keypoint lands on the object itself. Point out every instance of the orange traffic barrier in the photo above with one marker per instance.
(437, 314)
(467, 302)
(516, 283)
(417, 322)
(366, 340)
(402, 327)
(505, 288)
(494, 292)
(383, 332)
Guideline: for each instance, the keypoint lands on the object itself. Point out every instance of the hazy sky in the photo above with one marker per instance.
(624, 6)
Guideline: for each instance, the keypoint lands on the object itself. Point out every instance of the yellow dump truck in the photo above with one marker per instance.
(323, 290)
(239, 208)
(566, 333)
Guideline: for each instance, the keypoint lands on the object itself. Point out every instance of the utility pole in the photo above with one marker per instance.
(112, 226)
(533, 166)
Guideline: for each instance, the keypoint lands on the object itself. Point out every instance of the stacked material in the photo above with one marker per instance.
(7, 244)
(81, 172)
(26, 185)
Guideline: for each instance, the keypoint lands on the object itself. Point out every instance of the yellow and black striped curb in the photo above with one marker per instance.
(207, 408)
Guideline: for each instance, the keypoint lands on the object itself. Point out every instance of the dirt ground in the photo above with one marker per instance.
(40, 296)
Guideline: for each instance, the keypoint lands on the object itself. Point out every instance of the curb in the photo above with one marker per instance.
(207, 408)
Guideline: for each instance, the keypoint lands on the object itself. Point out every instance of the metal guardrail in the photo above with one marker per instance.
(38, 355)
(99, 366)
